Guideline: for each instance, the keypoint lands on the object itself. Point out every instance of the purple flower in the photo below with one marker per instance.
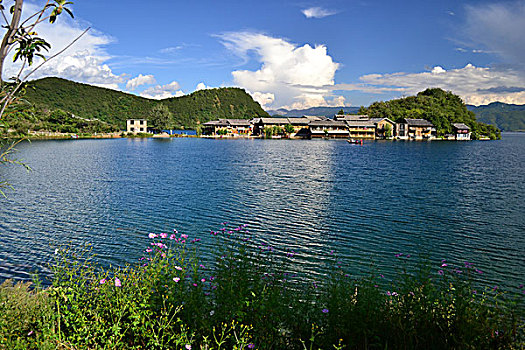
(31, 332)
(441, 272)
(399, 255)
(520, 286)
(117, 282)
(203, 280)
(195, 284)
(325, 311)
(382, 276)
(251, 346)
(187, 346)
(479, 271)
(444, 265)
(201, 266)
(102, 281)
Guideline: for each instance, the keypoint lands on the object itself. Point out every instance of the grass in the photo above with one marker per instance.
(245, 298)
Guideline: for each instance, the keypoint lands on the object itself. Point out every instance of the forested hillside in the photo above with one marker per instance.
(440, 107)
(114, 107)
(507, 117)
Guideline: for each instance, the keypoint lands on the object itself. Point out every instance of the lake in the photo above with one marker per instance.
(440, 200)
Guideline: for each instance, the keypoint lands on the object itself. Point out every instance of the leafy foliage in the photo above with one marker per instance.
(114, 107)
(440, 107)
(244, 298)
(160, 117)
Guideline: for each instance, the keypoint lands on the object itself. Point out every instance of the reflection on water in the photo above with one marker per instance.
(460, 201)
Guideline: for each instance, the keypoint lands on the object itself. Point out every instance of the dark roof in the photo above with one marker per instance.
(299, 121)
(360, 123)
(418, 122)
(328, 122)
(220, 122)
(460, 126)
(274, 121)
(351, 116)
(238, 122)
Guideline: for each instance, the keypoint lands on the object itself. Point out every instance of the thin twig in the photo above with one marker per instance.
(10, 95)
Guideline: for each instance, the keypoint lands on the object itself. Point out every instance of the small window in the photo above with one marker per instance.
(141, 129)
(142, 122)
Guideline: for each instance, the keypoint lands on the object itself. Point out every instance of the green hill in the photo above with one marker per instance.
(507, 117)
(114, 107)
(440, 107)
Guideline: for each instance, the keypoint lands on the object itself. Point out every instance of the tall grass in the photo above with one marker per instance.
(246, 298)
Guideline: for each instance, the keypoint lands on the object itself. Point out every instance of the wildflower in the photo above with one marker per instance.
(388, 293)
(212, 312)
(184, 236)
(203, 280)
(520, 286)
(178, 268)
(176, 279)
(331, 252)
(28, 334)
(56, 251)
(163, 235)
(175, 231)
(495, 288)
(195, 284)
(479, 271)
(398, 255)
(382, 276)
(163, 255)
(152, 235)
(394, 294)
(188, 347)
(251, 346)
(441, 272)
(325, 311)
(149, 250)
(117, 282)
(173, 237)
(375, 286)
(408, 256)
(201, 266)
(102, 281)
(444, 265)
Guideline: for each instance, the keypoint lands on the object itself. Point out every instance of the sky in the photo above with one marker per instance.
(294, 54)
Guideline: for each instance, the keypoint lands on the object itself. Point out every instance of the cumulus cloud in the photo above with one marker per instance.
(134, 83)
(498, 27)
(201, 86)
(85, 61)
(317, 12)
(289, 76)
(160, 92)
(476, 85)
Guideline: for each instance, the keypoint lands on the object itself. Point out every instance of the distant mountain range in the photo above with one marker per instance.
(507, 117)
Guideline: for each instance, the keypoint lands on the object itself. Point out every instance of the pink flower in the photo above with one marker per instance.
(163, 255)
(176, 279)
(102, 281)
(152, 235)
(117, 282)
(188, 347)
(163, 235)
(203, 280)
(149, 250)
(173, 237)
(178, 268)
(184, 236)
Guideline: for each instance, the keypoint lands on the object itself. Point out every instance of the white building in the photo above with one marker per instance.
(135, 126)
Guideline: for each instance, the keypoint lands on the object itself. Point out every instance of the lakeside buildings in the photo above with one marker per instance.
(341, 126)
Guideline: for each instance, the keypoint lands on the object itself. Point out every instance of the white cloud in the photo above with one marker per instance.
(160, 92)
(132, 84)
(84, 61)
(499, 27)
(296, 76)
(317, 12)
(476, 85)
(202, 86)
(265, 99)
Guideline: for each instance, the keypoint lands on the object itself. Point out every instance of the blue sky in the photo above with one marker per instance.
(296, 54)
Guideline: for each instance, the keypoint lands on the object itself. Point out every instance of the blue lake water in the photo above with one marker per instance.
(442, 200)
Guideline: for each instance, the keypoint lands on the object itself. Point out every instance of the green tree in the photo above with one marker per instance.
(160, 117)
(388, 130)
(289, 128)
